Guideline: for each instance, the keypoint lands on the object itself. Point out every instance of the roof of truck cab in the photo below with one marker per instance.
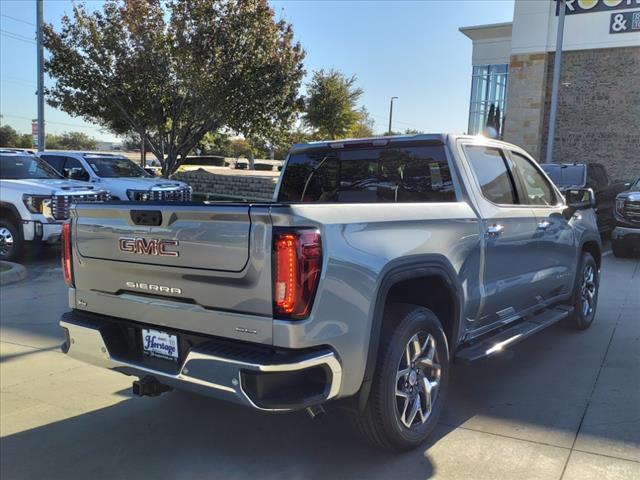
(380, 141)
(373, 140)
(83, 153)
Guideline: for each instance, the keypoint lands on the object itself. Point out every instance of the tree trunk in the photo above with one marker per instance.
(169, 164)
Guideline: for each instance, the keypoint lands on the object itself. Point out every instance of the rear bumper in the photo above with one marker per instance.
(274, 380)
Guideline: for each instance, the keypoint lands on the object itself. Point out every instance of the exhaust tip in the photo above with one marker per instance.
(316, 412)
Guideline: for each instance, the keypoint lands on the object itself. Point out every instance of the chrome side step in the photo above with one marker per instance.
(497, 343)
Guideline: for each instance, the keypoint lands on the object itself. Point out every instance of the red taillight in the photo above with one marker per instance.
(66, 254)
(297, 261)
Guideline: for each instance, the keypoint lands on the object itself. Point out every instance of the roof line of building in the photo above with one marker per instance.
(486, 26)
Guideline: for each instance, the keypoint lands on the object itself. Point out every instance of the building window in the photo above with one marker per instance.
(488, 97)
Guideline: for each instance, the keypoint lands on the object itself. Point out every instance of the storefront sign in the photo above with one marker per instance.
(587, 6)
(625, 22)
(34, 133)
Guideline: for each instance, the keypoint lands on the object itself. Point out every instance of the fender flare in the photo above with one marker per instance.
(595, 239)
(12, 208)
(406, 268)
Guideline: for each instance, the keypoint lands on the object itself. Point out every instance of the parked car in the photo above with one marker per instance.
(241, 164)
(591, 175)
(125, 179)
(35, 201)
(626, 234)
(377, 264)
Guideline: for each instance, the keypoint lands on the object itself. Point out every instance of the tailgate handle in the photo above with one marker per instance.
(146, 217)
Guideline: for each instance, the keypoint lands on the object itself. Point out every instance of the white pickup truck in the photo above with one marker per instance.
(123, 178)
(35, 201)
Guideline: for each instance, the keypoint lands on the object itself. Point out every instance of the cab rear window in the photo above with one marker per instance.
(368, 175)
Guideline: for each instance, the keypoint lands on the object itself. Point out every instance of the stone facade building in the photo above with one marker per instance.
(598, 116)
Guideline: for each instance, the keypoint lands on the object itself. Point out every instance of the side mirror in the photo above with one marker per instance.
(580, 198)
(78, 174)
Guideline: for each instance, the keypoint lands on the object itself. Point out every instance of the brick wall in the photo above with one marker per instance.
(598, 110)
(244, 187)
(525, 101)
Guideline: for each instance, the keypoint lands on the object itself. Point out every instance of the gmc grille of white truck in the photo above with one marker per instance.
(61, 204)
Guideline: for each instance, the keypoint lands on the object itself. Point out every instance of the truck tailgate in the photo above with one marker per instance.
(197, 267)
(215, 238)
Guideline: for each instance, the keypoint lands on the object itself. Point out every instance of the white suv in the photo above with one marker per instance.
(35, 201)
(124, 179)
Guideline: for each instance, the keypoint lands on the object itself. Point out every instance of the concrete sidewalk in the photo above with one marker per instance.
(561, 405)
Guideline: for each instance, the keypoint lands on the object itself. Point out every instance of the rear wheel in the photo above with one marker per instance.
(410, 383)
(585, 294)
(11, 243)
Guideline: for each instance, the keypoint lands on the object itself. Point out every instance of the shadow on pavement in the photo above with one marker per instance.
(538, 391)
(180, 436)
(533, 392)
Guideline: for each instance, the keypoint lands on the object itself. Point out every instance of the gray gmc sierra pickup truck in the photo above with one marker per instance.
(377, 264)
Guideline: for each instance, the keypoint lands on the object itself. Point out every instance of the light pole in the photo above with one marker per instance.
(555, 85)
(391, 112)
(40, 57)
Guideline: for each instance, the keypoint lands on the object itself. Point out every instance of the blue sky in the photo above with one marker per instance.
(412, 50)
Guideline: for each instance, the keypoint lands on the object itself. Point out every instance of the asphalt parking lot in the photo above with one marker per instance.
(562, 405)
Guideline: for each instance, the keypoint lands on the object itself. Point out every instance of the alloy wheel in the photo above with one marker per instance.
(417, 380)
(588, 290)
(6, 241)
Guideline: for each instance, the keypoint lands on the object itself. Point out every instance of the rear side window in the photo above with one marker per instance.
(369, 175)
(490, 170)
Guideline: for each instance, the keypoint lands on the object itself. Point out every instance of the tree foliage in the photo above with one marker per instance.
(364, 126)
(9, 137)
(173, 70)
(331, 101)
(215, 143)
(71, 141)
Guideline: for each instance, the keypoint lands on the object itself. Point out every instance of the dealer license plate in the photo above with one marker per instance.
(160, 344)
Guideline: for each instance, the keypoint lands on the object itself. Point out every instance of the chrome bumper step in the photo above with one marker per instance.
(219, 371)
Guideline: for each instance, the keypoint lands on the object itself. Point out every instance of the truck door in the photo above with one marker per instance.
(510, 238)
(556, 254)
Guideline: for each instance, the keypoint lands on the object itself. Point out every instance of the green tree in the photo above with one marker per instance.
(364, 126)
(71, 141)
(331, 104)
(173, 70)
(9, 137)
(215, 143)
(282, 143)
(240, 147)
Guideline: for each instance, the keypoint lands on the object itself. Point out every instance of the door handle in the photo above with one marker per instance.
(494, 230)
(544, 224)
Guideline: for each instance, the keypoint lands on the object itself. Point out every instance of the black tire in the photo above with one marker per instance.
(619, 250)
(582, 317)
(11, 242)
(381, 422)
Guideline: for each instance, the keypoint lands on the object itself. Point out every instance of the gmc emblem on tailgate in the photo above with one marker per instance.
(147, 247)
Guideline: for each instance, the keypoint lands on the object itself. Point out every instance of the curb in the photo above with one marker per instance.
(15, 273)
